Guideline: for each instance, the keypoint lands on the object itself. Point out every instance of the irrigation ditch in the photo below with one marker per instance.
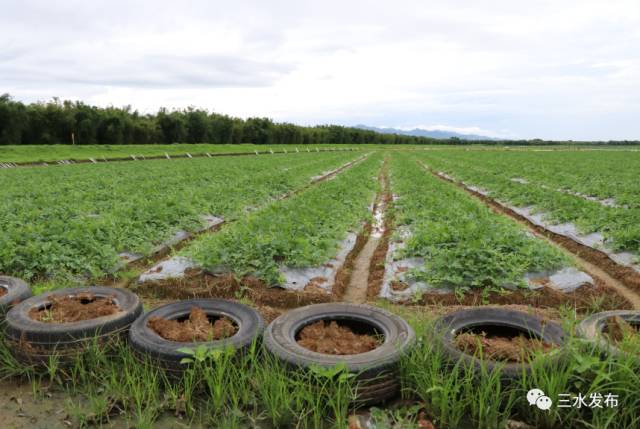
(365, 265)
(610, 277)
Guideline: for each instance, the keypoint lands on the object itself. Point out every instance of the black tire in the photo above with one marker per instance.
(16, 291)
(376, 370)
(148, 344)
(451, 325)
(35, 341)
(592, 328)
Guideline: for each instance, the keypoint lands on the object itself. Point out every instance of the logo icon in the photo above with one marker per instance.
(539, 399)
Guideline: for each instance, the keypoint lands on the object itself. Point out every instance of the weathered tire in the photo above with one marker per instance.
(449, 326)
(34, 342)
(148, 344)
(376, 370)
(16, 292)
(592, 328)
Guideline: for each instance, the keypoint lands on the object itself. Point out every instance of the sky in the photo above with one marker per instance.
(511, 69)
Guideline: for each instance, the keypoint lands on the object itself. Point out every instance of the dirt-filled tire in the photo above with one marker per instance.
(166, 354)
(592, 328)
(15, 291)
(376, 371)
(34, 342)
(449, 326)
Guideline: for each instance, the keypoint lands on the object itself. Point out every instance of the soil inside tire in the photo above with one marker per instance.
(330, 337)
(69, 309)
(198, 327)
(501, 344)
(618, 330)
(3, 291)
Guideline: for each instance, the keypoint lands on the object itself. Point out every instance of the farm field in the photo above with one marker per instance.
(82, 153)
(75, 220)
(53, 153)
(597, 192)
(419, 231)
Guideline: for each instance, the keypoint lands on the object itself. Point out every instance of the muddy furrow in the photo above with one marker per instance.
(358, 288)
(164, 250)
(624, 280)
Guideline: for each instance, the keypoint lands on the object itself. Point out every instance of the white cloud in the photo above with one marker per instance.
(551, 69)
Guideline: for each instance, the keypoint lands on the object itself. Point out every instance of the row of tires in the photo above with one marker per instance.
(35, 342)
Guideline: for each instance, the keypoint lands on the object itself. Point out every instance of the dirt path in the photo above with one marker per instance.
(357, 290)
(589, 260)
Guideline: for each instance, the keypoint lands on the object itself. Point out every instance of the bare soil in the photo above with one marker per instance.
(583, 299)
(357, 290)
(74, 309)
(334, 339)
(378, 259)
(399, 286)
(197, 328)
(617, 329)
(3, 291)
(345, 273)
(501, 348)
(198, 284)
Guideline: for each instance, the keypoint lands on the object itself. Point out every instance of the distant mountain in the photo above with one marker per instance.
(419, 132)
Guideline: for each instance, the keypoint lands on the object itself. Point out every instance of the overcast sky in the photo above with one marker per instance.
(566, 69)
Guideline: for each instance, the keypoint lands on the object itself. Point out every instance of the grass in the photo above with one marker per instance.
(224, 389)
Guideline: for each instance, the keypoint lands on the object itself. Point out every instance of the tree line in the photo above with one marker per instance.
(74, 122)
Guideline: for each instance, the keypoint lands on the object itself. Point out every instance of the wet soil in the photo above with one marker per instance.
(197, 328)
(334, 339)
(346, 272)
(378, 259)
(433, 311)
(199, 284)
(3, 291)
(501, 348)
(357, 290)
(74, 309)
(399, 286)
(617, 329)
(583, 299)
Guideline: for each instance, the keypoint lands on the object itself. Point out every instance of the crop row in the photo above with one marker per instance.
(303, 231)
(53, 153)
(75, 220)
(619, 225)
(463, 243)
(604, 175)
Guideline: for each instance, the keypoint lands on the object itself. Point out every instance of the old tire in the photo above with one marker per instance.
(34, 342)
(165, 353)
(592, 328)
(376, 371)
(16, 291)
(449, 326)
